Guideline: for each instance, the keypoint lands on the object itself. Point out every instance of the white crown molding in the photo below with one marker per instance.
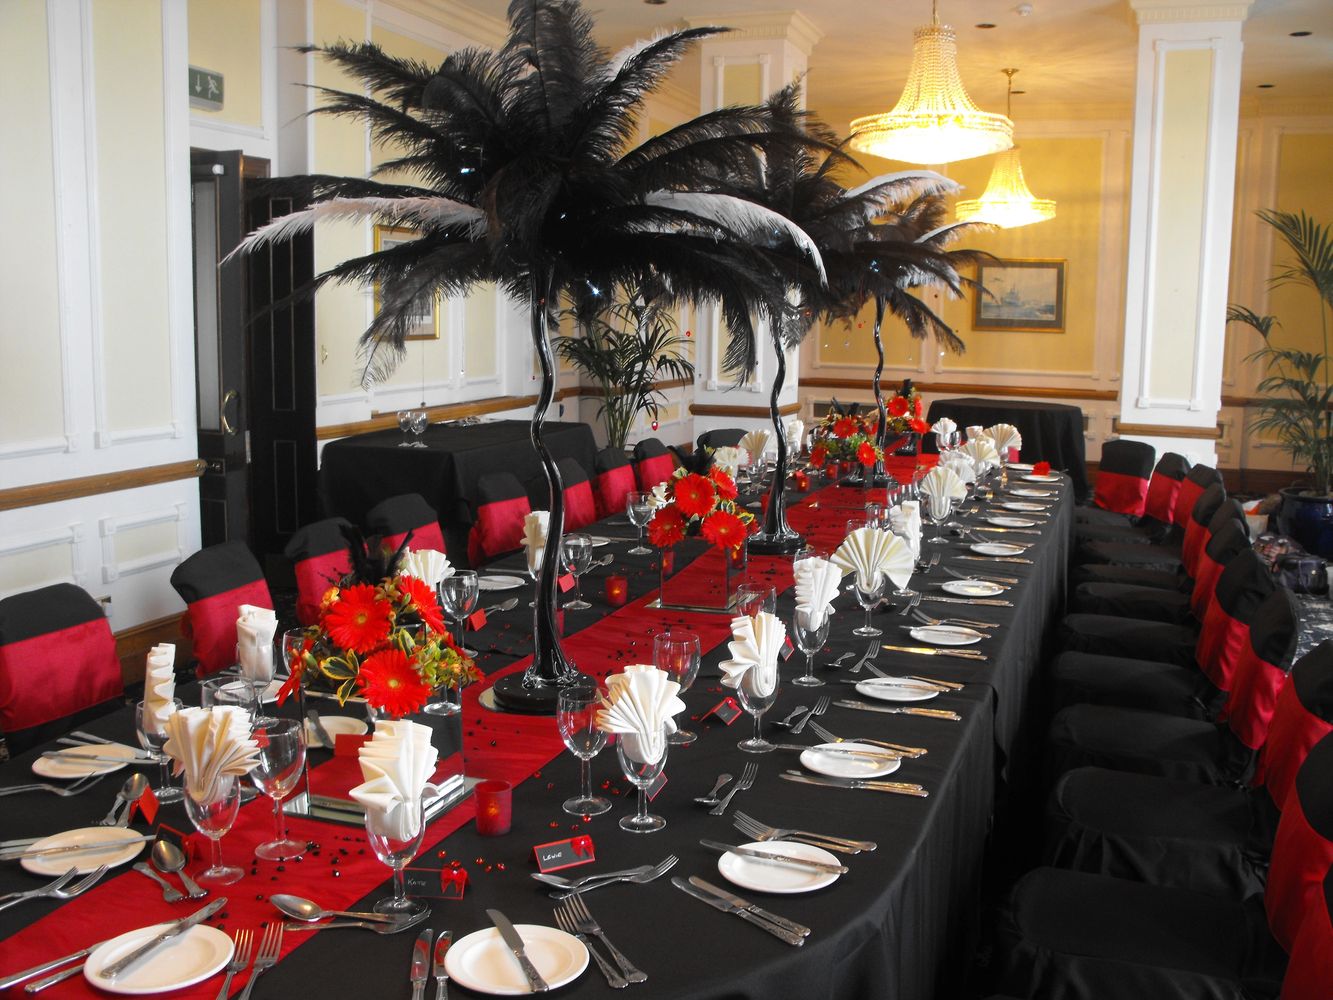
(1188, 11)
(787, 25)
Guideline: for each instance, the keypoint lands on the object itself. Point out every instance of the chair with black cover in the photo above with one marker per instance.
(722, 437)
(580, 504)
(214, 583)
(1158, 502)
(320, 558)
(1310, 967)
(1165, 554)
(1123, 474)
(653, 464)
(394, 518)
(613, 481)
(58, 664)
(502, 504)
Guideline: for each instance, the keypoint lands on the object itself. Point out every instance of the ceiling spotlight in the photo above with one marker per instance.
(984, 25)
(1300, 34)
(1266, 86)
(655, 3)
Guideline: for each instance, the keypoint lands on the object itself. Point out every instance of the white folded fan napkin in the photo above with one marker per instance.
(873, 552)
(1004, 437)
(906, 520)
(975, 431)
(942, 481)
(730, 459)
(795, 433)
(755, 645)
(982, 452)
(944, 426)
(427, 565)
(397, 763)
(159, 685)
(817, 584)
(208, 745)
(639, 705)
(755, 443)
(961, 465)
(254, 642)
(535, 526)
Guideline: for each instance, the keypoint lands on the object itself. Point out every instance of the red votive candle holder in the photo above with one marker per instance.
(495, 807)
(617, 590)
(1013, 455)
(800, 480)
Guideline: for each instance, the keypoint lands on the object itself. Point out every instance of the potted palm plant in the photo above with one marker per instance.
(1295, 392)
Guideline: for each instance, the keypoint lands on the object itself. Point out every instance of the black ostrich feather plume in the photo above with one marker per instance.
(371, 560)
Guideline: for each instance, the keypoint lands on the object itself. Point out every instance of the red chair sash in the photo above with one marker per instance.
(48, 677)
(1160, 503)
(1205, 587)
(498, 529)
(613, 486)
(1186, 497)
(1303, 846)
(1221, 639)
(313, 577)
(580, 508)
(652, 471)
(1252, 699)
(211, 622)
(424, 536)
(1124, 494)
(1292, 732)
(1310, 971)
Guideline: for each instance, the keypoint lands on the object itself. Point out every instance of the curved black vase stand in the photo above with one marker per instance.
(777, 536)
(878, 477)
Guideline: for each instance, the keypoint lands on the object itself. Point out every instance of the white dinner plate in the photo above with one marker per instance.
(846, 765)
(1001, 521)
(68, 764)
(270, 692)
(599, 540)
(121, 846)
(500, 582)
(481, 961)
(897, 689)
(1023, 505)
(1028, 492)
(761, 876)
(972, 588)
(997, 549)
(335, 726)
(1050, 478)
(1020, 467)
(946, 635)
(186, 959)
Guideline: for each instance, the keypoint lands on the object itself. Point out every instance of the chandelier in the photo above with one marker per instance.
(1007, 202)
(934, 121)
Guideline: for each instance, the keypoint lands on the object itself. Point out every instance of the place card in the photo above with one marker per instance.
(565, 583)
(145, 805)
(727, 710)
(787, 649)
(560, 854)
(477, 620)
(658, 784)
(435, 883)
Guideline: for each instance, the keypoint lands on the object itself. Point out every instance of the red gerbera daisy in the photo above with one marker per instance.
(817, 455)
(666, 528)
(897, 407)
(916, 406)
(359, 620)
(422, 598)
(391, 683)
(724, 529)
(918, 425)
(866, 453)
(726, 486)
(695, 495)
(844, 427)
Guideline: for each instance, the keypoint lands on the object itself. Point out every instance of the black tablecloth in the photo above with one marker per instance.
(358, 472)
(1052, 432)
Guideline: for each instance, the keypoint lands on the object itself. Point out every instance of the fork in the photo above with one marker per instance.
(640, 878)
(583, 920)
(824, 734)
(742, 784)
(56, 889)
(821, 706)
(267, 957)
(921, 616)
(757, 832)
(613, 978)
(240, 958)
(560, 882)
(64, 791)
(912, 602)
(778, 833)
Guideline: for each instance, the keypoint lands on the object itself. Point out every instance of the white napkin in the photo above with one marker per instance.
(940, 487)
(795, 433)
(730, 459)
(659, 495)
(1004, 437)
(975, 431)
(756, 643)
(817, 582)
(208, 745)
(427, 565)
(906, 520)
(982, 452)
(639, 705)
(254, 642)
(397, 763)
(159, 685)
(944, 426)
(755, 443)
(535, 526)
(961, 465)
(871, 552)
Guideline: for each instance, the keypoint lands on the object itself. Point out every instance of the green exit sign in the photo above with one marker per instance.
(205, 89)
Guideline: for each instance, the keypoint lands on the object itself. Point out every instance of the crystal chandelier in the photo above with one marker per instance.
(1007, 202)
(934, 121)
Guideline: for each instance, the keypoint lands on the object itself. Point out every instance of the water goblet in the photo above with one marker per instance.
(405, 425)
(876, 515)
(756, 699)
(576, 549)
(213, 817)
(869, 598)
(576, 718)
(281, 762)
(257, 670)
(641, 774)
(234, 691)
(395, 837)
(810, 639)
(678, 653)
(904, 591)
(752, 598)
(938, 509)
(459, 593)
(639, 510)
(946, 442)
(418, 423)
(152, 739)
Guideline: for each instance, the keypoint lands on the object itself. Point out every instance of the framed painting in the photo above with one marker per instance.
(425, 324)
(1026, 295)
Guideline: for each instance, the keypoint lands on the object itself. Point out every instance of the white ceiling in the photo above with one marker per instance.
(1074, 56)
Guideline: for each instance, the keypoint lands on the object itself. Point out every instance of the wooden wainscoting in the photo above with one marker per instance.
(133, 644)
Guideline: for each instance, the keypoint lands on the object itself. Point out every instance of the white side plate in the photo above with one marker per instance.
(896, 689)
(846, 765)
(186, 959)
(997, 549)
(481, 961)
(72, 767)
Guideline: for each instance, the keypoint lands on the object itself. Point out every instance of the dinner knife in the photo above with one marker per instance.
(135, 753)
(957, 654)
(1004, 559)
(844, 751)
(421, 963)
(932, 713)
(177, 928)
(1007, 531)
(859, 784)
(441, 974)
(515, 944)
(914, 685)
(718, 903)
(318, 726)
(745, 904)
(985, 602)
(774, 858)
(105, 845)
(980, 576)
(79, 758)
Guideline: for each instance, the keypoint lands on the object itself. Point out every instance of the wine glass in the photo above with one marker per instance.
(869, 598)
(213, 818)
(876, 515)
(405, 425)
(257, 671)
(810, 640)
(153, 739)
(938, 509)
(641, 774)
(756, 702)
(639, 510)
(458, 594)
(281, 761)
(576, 718)
(946, 441)
(576, 549)
(395, 838)
(419, 421)
(229, 691)
(901, 531)
(752, 598)
(678, 653)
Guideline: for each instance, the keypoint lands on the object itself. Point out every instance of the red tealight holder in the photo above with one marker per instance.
(800, 480)
(1013, 455)
(617, 590)
(495, 807)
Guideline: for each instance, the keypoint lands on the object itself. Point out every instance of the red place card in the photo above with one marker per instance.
(477, 620)
(435, 883)
(560, 854)
(565, 583)
(727, 710)
(146, 806)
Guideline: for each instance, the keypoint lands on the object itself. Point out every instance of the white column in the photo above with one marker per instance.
(1185, 121)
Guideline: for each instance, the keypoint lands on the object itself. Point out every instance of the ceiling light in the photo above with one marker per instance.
(934, 120)
(1266, 86)
(1301, 34)
(984, 25)
(1007, 202)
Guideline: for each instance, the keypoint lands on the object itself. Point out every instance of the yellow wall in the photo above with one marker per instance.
(224, 36)
(741, 84)
(1302, 185)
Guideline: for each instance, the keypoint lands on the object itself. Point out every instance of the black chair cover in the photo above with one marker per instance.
(1089, 678)
(722, 437)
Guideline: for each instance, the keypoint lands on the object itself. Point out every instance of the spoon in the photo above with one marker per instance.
(170, 859)
(307, 911)
(711, 798)
(508, 605)
(134, 786)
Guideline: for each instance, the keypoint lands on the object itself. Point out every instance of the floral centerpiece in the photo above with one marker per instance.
(703, 503)
(905, 413)
(846, 435)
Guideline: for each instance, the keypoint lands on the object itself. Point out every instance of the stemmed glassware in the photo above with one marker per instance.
(419, 421)
(576, 717)
(395, 847)
(229, 691)
(756, 703)
(678, 653)
(639, 510)
(809, 640)
(752, 598)
(459, 593)
(281, 761)
(947, 441)
(938, 509)
(257, 673)
(405, 425)
(576, 548)
(213, 819)
(869, 599)
(641, 775)
(904, 590)
(152, 740)
(876, 515)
